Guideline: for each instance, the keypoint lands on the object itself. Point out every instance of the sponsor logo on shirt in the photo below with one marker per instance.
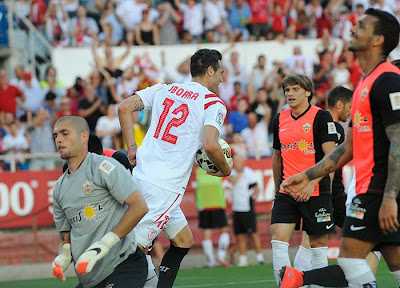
(361, 122)
(331, 128)
(89, 212)
(306, 127)
(395, 100)
(322, 215)
(106, 166)
(302, 145)
(220, 117)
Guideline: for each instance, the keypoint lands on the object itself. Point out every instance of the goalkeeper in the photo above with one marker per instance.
(95, 205)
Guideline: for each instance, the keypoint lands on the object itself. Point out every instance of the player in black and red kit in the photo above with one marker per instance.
(373, 142)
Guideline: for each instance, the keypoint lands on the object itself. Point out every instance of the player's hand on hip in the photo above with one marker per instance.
(295, 183)
(95, 252)
(62, 261)
(388, 215)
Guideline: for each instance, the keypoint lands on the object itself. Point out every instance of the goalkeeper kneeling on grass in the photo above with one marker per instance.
(95, 207)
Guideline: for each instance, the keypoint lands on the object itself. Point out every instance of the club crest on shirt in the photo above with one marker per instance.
(306, 127)
(220, 118)
(106, 166)
(87, 187)
(395, 100)
(364, 93)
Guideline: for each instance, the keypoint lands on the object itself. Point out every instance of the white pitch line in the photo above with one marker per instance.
(224, 284)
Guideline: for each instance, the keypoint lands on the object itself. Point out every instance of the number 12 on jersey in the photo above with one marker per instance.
(174, 122)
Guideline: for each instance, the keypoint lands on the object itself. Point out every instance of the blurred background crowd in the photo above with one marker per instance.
(31, 101)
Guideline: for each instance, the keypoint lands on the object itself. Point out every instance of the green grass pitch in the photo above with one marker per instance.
(233, 277)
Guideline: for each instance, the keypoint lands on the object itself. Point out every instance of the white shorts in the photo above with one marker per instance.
(164, 213)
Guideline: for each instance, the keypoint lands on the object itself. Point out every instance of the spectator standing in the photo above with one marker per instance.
(237, 119)
(41, 133)
(238, 95)
(167, 23)
(256, 137)
(239, 16)
(91, 107)
(244, 191)
(113, 32)
(34, 95)
(237, 72)
(15, 143)
(56, 25)
(108, 128)
(225, 89)
(298, 63)
(193, 17)
(129, 13)
(259, 73)
(146, 32)
(259, 18)
(10, 95)
(82, 29)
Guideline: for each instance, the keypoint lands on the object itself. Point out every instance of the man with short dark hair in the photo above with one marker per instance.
(373, 143)
(185, 117)
(96, 206)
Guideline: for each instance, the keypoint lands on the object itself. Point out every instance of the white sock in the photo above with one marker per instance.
(378, 255)
(243, 261)
(280, 256)
(319, 259)
(357, 272)
(152, 277)
(396, 275)
(260, 258)
(209, 251)
(302, 261)
(223, 244)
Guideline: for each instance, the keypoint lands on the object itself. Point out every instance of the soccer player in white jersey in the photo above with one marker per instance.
(96, 205)
(185, 117)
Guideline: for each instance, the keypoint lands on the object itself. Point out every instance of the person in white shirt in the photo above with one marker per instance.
(15, 143)
(193, 17)
(185, 117)
(108, 128)
(256, 138)
(244, 190)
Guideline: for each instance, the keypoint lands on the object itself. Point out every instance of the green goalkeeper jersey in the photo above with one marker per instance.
(209, 191)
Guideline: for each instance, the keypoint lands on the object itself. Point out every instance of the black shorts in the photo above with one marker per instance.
(209, 219)
(131, 273)
(362, 221)
(244, 222)
(316, 213)
(339, 208)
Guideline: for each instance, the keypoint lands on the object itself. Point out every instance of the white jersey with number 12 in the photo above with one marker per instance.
(179, 113)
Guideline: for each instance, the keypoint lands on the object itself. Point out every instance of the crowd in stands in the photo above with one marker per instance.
(77, 23)
(30, 105)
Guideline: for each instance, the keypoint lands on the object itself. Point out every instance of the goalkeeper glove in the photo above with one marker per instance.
(95, 252)
(62, 261)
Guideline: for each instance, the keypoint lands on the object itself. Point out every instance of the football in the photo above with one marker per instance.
(206, 164)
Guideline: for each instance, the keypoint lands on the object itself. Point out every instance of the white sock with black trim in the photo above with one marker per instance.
(319, 259)
(357, 272)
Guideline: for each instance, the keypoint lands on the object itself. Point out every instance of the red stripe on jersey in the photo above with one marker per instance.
(177, 197)
(211, 96)
(212, 103)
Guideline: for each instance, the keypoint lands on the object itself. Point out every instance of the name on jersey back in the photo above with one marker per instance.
(183, 93)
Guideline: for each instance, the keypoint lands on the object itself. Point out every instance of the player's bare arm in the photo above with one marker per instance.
(65, 237)
(276, 167)
(137, 208)
(335, 160)
(215, 152)
(388, 211)
(304, 194)
(125, 110)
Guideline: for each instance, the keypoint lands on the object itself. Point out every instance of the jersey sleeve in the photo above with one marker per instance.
(385, 95)
(214, 111)
(277, 143)
(251, 177)
(326, 128)
(147, 95)
(60, 219)
(116, 179)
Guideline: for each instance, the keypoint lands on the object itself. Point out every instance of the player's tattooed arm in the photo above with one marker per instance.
(392, 187)
(137, 103)
(327, 165)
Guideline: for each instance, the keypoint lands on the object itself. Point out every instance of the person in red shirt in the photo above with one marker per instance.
(373, 143)
(9, 95)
